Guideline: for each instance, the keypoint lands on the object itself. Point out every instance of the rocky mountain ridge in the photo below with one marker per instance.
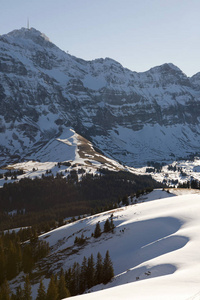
(131, 117)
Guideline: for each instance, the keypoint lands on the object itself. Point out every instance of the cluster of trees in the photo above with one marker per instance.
(108, 226)
(157, 167)
(11, 174)
(80, 278)
(21, 294)
(50, 199)
(80, 240)
(56, 290)
(173, 168)
(70, 283)
(193, 184)
(17, 256)
(150, 170)
(176, 168)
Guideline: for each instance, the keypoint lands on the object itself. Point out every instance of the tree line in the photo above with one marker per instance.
(17, 255)
(76, 280)
(49, 199)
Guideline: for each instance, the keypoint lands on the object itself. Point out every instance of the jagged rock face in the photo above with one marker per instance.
(132, 117)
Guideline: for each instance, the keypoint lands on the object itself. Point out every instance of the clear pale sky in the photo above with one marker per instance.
(139, 34)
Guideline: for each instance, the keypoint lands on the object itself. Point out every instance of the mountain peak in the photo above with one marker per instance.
(167, 67)
(29, 34)
(168, 72)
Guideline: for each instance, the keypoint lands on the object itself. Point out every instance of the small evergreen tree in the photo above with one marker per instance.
(41, 295)
(68, 279)
(97, 231)
(107, 226)
(112, 226)
(62, 290)
(2, 263)
(99, 269)
(108, 272)
(5, 291)
(83, 276)
(75, 279)
(11, 264)
(52, 291)
(27, 289)
(27, 259)
(90, 272)
(125, 200)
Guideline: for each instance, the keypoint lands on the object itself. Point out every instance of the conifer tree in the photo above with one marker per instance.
(90, 272)
(2, 263)
(11, 265)
(83, 276)
(41, 294)
(34, 237)
(68, 278)
(108, 272)
(75, 279)
(99, 269)
(97, 231)
(19, 256)
(27, 289)
(27, 259)
(52, 291)
(62, 290)
(107, 226)
(5, 291)
(112, 226)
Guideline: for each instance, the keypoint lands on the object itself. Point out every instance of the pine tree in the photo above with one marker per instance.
(34, 237)
(5, 291)
(27, 259)
(27, 289)
(75, 279)
(2, 263)
(108, 272)
(99, 269)
(62, 290)
(90, 272)
(112, 226)
(41, 295)
(97, 231)
(11, 264)
(83, 276)
(107, 226)
(68, 278)
(52, 291)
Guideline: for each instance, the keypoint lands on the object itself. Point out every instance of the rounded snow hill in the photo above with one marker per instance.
(155, 249)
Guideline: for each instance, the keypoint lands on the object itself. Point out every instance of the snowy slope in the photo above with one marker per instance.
(62, 155)
(160, 246)
(181, 171)
(154, 248)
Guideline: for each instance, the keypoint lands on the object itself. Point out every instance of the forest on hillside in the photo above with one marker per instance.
(49, 199)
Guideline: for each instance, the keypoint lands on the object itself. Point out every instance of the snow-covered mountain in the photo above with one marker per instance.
(132, 117)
